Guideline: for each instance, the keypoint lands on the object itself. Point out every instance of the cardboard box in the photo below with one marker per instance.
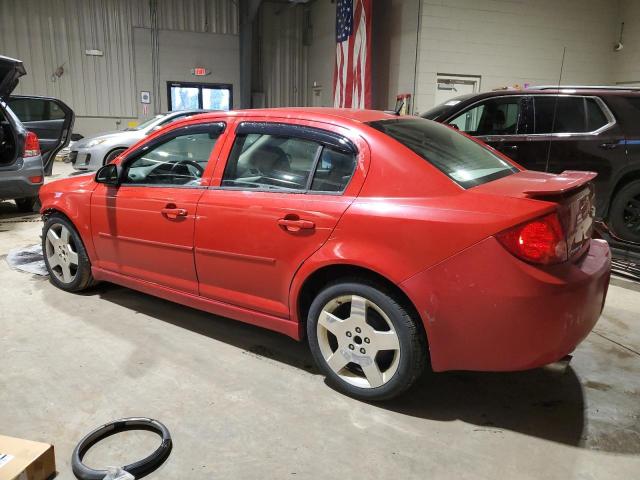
(26, 460)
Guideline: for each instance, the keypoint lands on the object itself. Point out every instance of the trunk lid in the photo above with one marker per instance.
(10, 72)
(571, 191)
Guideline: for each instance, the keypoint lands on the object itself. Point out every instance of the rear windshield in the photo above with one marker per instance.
(464, 161)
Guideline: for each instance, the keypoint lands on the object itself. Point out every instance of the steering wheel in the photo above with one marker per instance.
(188, 163)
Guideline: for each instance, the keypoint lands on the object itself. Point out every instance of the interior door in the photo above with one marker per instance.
(276, 202)
(144, 227)
(50, 119)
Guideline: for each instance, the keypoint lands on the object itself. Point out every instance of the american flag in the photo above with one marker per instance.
(352, 74)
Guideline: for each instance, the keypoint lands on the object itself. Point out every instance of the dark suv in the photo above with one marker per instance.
(593, 128)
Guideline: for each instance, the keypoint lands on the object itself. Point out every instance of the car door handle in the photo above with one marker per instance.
(511, 148)
(172, 212)
(608, 146)
(296, 224)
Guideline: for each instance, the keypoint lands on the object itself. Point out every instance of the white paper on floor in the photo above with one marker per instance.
(27, 259)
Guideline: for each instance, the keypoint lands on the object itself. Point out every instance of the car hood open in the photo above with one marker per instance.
(10, 72)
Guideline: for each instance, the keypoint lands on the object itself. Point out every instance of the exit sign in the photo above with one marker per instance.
(200, 71)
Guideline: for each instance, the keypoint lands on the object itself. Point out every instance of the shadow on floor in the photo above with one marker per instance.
(9, 211)
(540, 403)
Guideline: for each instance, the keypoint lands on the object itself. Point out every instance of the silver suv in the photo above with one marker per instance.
(32, 131)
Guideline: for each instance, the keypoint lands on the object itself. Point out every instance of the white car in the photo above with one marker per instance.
(94, 152)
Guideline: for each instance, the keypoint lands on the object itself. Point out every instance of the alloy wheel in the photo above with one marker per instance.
(61, 252)
(358, 341)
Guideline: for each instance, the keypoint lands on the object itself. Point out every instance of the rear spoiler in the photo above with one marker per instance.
(562, 183)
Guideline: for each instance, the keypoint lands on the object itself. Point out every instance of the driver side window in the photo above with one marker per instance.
(496, 116)
(180, 160)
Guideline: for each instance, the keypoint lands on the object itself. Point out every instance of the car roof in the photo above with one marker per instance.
(552, 91)
(302, 113)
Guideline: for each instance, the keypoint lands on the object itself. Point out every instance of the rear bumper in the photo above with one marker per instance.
(485, 310)
(15, 183)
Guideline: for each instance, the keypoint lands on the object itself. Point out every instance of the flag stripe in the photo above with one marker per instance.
(352, 71)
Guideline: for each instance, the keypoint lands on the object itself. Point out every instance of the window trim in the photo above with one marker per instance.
(324, 139)
(603, 106)
(162, 139)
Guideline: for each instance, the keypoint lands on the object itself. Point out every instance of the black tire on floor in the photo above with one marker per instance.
(413, 345)
(26, 204)
(621, 208)
(111, 156)
(83, 278)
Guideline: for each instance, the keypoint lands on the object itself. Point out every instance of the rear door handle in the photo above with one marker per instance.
(296, 224)
(172, 212)
(511, 148)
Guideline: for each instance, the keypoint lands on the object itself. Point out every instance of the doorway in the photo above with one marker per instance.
(450, 86)
(192, 96)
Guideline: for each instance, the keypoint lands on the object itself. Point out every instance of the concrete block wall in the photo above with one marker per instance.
(509, 42)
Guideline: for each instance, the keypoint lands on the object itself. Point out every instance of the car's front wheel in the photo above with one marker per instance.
(64, 255)
(365, 341)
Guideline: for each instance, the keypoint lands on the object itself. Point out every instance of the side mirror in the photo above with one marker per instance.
(108, 175)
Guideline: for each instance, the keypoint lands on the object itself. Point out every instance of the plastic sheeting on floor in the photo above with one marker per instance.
(27, 259)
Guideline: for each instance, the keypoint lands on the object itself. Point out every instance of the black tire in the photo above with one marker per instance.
(111, 156)
(624, 214)
(413, 352)
(82, 278)
(26, 204)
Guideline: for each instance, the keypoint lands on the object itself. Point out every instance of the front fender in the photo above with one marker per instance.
(72, 198)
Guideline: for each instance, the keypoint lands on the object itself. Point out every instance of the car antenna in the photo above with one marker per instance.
(555, 109)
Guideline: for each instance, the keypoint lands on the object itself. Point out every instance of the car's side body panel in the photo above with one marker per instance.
(243, 254)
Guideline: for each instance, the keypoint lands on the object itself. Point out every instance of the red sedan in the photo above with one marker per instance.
(386, 241)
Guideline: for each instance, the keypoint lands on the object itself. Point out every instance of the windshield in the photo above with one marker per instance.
(146, 123)
(439, 112)
(460, 158)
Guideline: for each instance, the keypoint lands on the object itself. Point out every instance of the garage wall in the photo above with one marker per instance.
(627, 60)
(179, 52)
(281, 69)
(322, 53)
(101, 90)
(511, 42)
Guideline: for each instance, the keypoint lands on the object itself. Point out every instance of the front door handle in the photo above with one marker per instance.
(510, 148)
(172, 212)
(294, 224)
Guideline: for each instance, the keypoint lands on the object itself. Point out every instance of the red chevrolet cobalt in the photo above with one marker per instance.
(388, 242)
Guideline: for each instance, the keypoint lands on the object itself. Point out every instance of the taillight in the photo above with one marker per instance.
(31, 146)
(538, 241)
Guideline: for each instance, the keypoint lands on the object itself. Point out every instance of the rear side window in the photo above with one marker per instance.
(278, 162)
(35, 109)
(572, 114)
(461, 159)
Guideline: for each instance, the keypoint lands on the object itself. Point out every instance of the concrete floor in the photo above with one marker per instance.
(242, 402)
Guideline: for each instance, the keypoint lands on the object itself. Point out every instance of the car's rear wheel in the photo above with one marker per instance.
(111, 156)
(365, 341)
(26, 204)
(65, 256)
(624, 216)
